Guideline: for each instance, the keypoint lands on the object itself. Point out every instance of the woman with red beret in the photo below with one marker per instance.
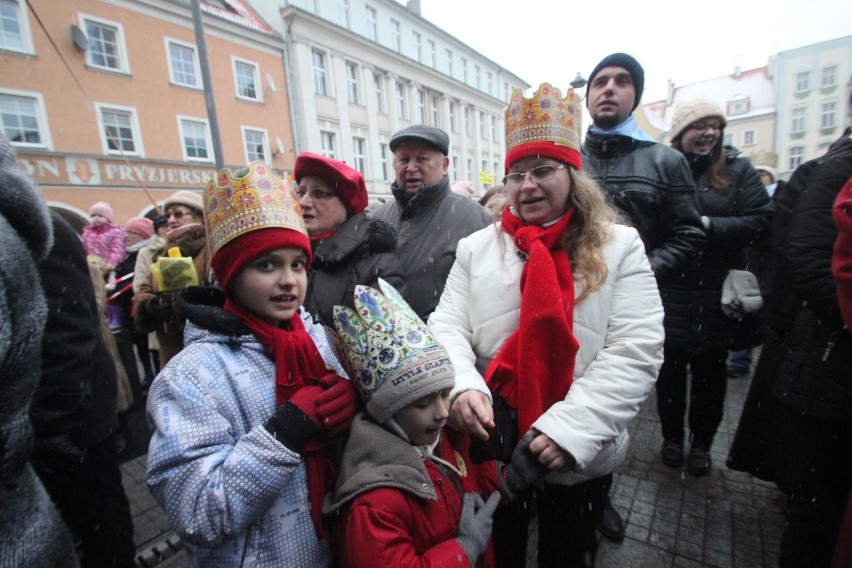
(348, 247)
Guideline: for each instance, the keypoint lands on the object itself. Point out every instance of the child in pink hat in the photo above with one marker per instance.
(103, 237)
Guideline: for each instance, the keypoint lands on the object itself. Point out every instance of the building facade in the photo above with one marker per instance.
(812, 88)
(748, 101)
(360, 71)
(114, 107)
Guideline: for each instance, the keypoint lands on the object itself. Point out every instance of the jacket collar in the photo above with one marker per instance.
(374, 458)
(423, 199)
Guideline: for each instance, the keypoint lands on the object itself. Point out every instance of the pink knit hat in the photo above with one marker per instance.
(141, 226)
(103, 209)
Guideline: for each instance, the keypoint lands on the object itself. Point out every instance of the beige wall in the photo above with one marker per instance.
(72, 115)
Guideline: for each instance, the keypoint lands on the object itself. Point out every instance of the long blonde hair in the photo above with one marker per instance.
(590, 229)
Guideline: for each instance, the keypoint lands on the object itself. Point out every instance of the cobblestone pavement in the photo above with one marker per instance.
(673, 519)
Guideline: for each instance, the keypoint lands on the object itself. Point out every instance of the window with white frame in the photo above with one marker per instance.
(343, 13)
(464, 70)
(435, 115)
(477, 72)
(372, 24)
(396, 36)
(246, 78)
(803, 81)
(106, 48)
(453, 125)
(24, 119)
(798, 123)
(256, 143)
(796, 154)
(433, 54)
(469, 168)
(450, 62)
(383, 160)
(358, 160)
(418, 46)
(489, 82)
(829, 76)
(749, 138)
(318, 58)
(14, 27)
(379, 90)
(827, 115)
(421, 105)
(183, 64)
(327, 143)
(494, 134)
(119, 130)
(496, 171)
(484, 165)
(401, 101)
(195, 139)
(483, 132)
(728, 139)
(455, 166)
(468, 123)
(352, 82)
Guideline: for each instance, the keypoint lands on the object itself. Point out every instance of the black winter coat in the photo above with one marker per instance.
(360, 251)
(651, 184)
(815, 377)
(694, 319)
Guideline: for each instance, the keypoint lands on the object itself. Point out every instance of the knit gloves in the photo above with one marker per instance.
(313, 410)
(475, 524)
(525, 469)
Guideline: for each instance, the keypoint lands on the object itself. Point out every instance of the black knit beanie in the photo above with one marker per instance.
(632, 66)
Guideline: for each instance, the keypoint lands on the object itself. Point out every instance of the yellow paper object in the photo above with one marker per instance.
(173, 272)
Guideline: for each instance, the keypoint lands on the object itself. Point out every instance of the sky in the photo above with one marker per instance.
(678, 40)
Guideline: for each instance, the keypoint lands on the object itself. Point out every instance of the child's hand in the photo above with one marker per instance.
(337, 404)
(475, 524)
(525, 468)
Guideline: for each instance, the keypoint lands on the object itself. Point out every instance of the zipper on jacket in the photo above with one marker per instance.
(832, 339)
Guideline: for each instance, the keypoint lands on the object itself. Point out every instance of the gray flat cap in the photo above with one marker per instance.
(432, 136)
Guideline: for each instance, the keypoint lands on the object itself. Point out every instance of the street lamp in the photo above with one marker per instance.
(579, 82)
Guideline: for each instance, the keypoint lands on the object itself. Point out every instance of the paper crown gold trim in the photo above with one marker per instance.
(249, 199)
(546, 117)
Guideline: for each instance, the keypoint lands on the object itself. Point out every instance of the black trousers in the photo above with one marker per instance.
(92, 502)
(706, 397)
(568, 517)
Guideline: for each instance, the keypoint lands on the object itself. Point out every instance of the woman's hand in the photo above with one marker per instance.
(471, 413)
(550, 454)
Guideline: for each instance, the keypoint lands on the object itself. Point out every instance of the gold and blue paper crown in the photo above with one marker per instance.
(388, 352)
(546, 117)
(249, 199)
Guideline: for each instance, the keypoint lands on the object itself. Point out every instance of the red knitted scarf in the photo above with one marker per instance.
(298, 363)
(535, 367)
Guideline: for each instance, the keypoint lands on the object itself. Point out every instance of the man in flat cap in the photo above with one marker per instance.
(648, 182)
(429, 217)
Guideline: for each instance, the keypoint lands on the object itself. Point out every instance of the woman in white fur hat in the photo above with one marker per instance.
(735, 211)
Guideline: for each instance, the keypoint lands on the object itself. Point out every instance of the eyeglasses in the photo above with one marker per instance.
(178, 214)
(537, 175)
(702, 126)
(316, 193)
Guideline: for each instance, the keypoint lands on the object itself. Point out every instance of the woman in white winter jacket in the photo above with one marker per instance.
(555, 315)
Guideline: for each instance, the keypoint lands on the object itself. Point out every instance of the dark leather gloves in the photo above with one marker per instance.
(525, 468)
(475, 524)
(160, 307)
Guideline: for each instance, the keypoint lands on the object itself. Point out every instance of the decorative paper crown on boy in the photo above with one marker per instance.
(388, 352)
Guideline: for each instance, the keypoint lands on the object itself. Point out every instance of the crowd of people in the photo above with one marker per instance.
(328, 383)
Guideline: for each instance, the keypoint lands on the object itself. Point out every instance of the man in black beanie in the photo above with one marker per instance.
(648, 182)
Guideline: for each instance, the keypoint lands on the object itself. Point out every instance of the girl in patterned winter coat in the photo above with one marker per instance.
(104, 238)
(246, 416)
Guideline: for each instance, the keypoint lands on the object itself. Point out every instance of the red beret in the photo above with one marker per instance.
(347, 181)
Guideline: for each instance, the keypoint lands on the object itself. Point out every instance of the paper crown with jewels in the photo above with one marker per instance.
(388, 352)
(249, 199)
(546, 125)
